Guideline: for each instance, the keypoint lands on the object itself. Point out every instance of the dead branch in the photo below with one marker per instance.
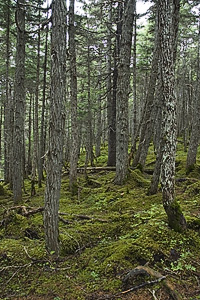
(145, 269)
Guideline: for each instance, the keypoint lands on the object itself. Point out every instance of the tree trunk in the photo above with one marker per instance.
(89, 141)
(176, 219)
(195, 134)
(135, 124)
(35, 125)
(19, 103)
(123, 94)
(56, 125)
(111, 99)
(8, 130)
(99, 109)
(73, 89)
(42, 126)
(148, 119)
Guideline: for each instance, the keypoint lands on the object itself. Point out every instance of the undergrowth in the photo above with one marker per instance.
(122, 228)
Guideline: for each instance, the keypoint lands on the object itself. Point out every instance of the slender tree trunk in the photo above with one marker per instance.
(123, 94)
(99, 109)
(29, 160)
(56, 125)
(148, 119)
(135, 125)
(19, 100)
(7, 125)
(42, 124)
(73, 89)
(111, 104)
(176, 219)
(195, 133)
(36, 121)
(89, 142)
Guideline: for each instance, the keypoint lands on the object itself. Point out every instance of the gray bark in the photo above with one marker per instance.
(56, 125)
(195, 133)
(176, 219)
(135, 120)
(36, 120)
(19, 104)
(73, 101)
(99, 117)
(8, 129)
(148, 119)
(123, 94)
(42, 123)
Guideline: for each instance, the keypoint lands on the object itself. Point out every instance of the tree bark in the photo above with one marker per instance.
(56, 125)
(19, 104)
(148, 119)
(8, 130)
(42, 123)
(73, 102)
(195, 133)
(176, 219)
(123, 94)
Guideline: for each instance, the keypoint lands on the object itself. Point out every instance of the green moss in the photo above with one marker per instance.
(74, 189)
(16, 225)
(175, 216)
(138, 178)
(126, 228)
(193, 223)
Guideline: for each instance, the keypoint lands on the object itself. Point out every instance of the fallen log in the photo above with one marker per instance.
(28, 211)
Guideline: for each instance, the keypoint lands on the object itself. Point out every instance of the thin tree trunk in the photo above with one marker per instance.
(89, 142)
(56, 125)
(29, 161)
(19, 99)
(148, 119)
(73, 89)
(7, 125)
(36, 121)
(195, 133)
(42, 124)
(99, 109)
(135, 125)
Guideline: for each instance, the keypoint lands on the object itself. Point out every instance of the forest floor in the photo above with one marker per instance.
(115, 242)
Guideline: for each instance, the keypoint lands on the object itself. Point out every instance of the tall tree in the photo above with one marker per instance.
(56, 125)
(8, 128)
(42, 123)
(73, 101)
(19, 103)
(123, 93)
(148, 119)
(166, 9)
(195, 133)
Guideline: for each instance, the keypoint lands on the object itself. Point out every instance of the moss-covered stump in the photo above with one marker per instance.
(176, 219)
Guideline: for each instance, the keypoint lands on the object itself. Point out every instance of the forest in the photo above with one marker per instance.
(99, 149)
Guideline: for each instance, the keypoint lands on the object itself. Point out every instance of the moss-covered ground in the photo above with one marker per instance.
(108, 231)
